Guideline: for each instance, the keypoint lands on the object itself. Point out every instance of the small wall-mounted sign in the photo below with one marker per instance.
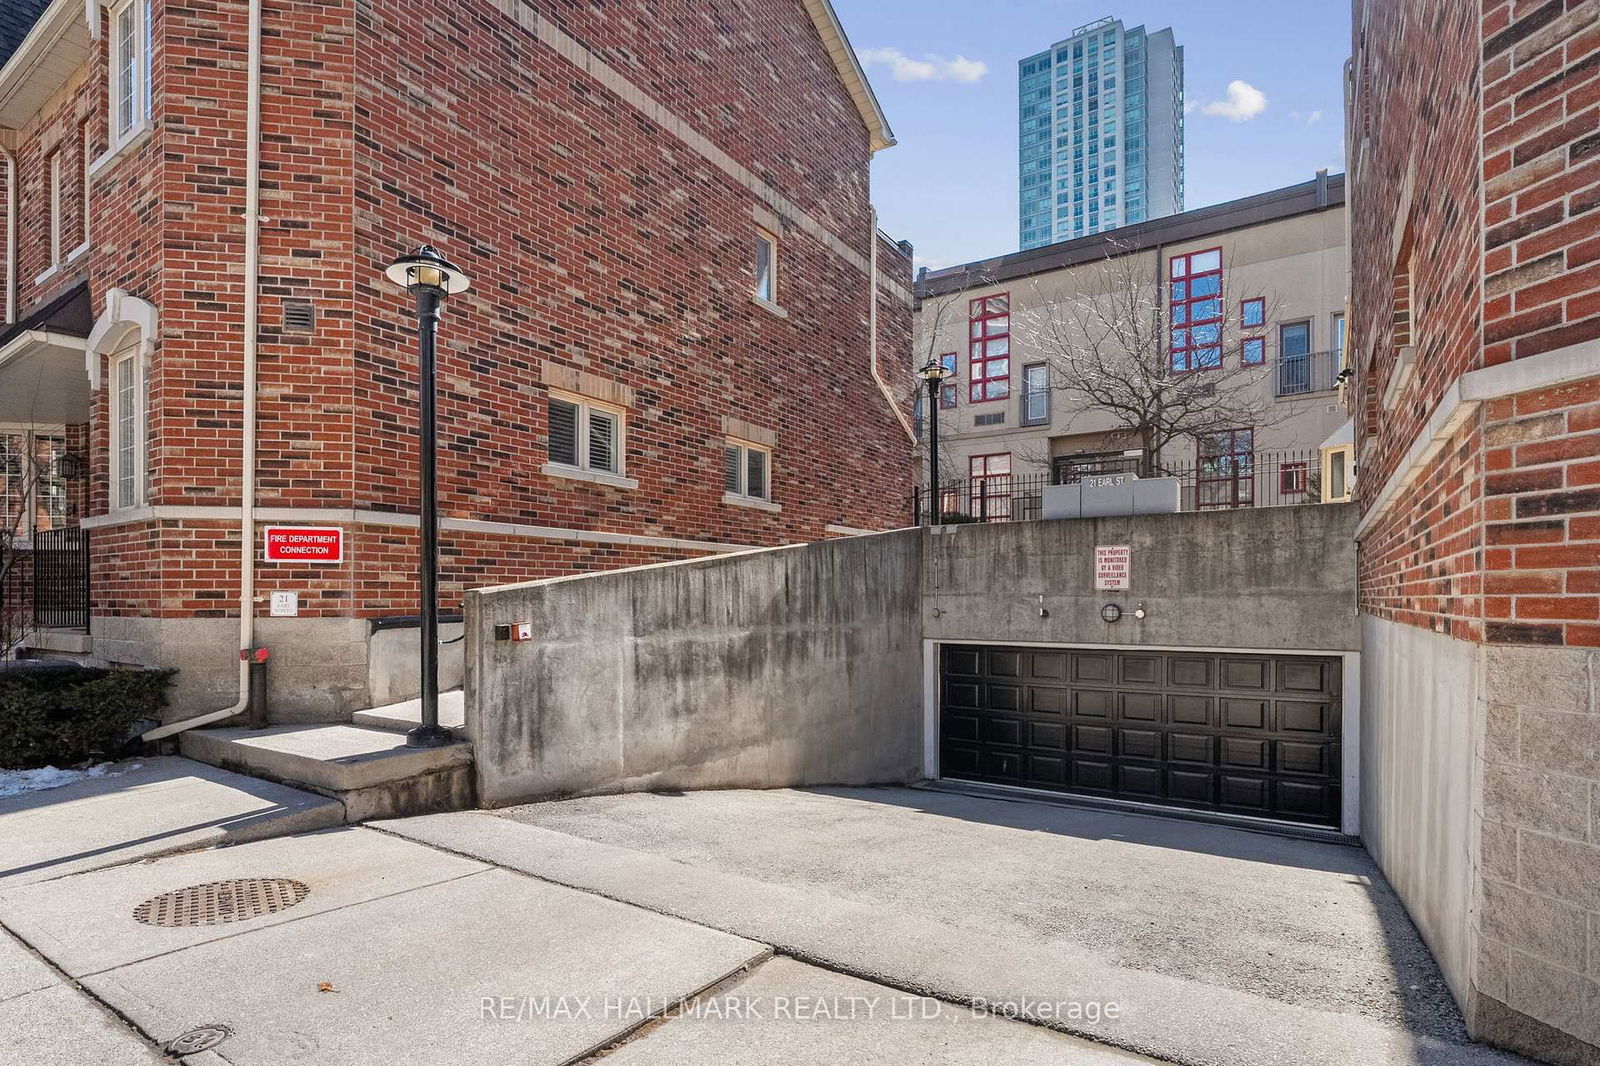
(304, 544)
(1106, 481)
(1112, 567)
(285, 605)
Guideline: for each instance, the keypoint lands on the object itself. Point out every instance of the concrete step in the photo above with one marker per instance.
(407, 714)
(371, 771)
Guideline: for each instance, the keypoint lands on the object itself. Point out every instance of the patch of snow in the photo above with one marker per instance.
(16, 782)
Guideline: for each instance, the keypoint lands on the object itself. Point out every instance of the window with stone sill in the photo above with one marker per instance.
(746, 471)
(585, 436)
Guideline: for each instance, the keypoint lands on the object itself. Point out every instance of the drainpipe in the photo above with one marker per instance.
(11, 231)
(247, 495)
(872, 328)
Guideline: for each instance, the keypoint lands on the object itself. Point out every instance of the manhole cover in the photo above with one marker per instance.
(221, 902)
(201, 1039)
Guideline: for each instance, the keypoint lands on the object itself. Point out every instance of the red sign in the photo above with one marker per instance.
(305, 544)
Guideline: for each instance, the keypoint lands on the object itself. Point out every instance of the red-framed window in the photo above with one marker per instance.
(1225, 470)
(1293, 479)
(1253, 351)
(1253, 313)
(989, 348)
(990, 476)
(1194, 304)
(947, 391)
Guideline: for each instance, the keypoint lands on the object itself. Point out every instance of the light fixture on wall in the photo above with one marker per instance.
(1111, 612)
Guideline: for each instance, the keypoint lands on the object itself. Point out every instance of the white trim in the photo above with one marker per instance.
(57, 182)
(750, 501)
(578, 473)
(140, 71)
(135, 364)
(849, 66)
(1349, 708)
(140, 134)
(1462, 399)
(849, 531)
(362, 517)
(50, 273)
(768, 306)
(73, 255)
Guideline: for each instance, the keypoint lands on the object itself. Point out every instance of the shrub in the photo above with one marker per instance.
(59, 717)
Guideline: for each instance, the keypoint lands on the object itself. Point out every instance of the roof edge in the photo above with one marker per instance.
(855, 78)
(1322, 193)
(52, 24)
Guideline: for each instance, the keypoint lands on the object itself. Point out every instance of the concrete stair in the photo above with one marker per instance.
(365, 765)
(408, 714)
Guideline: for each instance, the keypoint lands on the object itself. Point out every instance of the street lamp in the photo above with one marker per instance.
(933, 372)
(426, 274)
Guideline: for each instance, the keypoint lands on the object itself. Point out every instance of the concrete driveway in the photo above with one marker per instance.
(1216, 945)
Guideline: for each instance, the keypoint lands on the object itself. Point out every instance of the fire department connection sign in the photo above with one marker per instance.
(304, 544)
(1111, 567)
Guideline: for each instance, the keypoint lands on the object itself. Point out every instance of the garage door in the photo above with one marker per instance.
(1242, 734)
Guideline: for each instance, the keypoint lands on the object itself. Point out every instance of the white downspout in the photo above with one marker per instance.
(247, 492)
(11, 232)
(872, 328)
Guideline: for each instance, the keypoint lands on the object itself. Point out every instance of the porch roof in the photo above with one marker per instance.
(43, 377)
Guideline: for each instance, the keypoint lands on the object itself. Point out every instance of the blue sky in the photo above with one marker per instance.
(946, 74)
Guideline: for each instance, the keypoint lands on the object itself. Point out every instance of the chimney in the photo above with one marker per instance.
(1322, 187)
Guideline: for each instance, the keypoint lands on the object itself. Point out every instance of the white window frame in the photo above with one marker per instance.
(134, 471)
(140, 70)
(86, 172)
(583, 471)
(767, 244)
(742, 497)
(57, 198)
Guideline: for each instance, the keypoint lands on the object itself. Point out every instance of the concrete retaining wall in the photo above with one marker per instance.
(1418, 800)
(787, 666)
(1280, 577)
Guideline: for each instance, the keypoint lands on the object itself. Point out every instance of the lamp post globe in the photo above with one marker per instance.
(429, 277)
(933, 372)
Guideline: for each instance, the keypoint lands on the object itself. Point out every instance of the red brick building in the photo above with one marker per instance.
(676, 341)
(1474, 193)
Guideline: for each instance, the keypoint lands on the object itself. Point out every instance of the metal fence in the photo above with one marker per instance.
(1265, 479)
(1307, 372)
(60, 560)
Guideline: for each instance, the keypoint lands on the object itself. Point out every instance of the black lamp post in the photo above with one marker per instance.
(933, 372)
(426, 274)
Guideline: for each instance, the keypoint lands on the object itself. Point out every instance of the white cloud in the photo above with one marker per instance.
(1244, 103)
(1314, 118)
(929, 68)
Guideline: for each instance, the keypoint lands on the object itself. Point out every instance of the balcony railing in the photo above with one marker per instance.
(1310, 372)
(1264, 479)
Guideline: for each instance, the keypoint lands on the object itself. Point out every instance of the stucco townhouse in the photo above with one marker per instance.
(1474, 187)
(678, 338)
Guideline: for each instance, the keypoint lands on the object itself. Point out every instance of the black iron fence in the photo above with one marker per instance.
(1265, 479)
(60, 564)
(1307, 372)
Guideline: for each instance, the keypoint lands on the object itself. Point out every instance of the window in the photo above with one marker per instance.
(1253, 351)
(585, 436)
(1294, 358)
(1253, 312)
(947, 391)
(1226, 470)
(57, 223)
(1336, 464)
(991, 485)
(1292, 478)
(1338, 338)
(33, 490)
(1035, 394)
(1195, 303)
(766, 267)
(745, 470)
(125, 430)
(86, 148)
(989, 359)
(130, 69)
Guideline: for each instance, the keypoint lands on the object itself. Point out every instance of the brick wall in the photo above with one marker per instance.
(601, 235)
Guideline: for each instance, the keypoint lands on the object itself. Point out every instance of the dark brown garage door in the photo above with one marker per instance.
(1243, 734)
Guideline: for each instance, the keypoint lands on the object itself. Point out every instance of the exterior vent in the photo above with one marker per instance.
(998, 418)
(299, 316)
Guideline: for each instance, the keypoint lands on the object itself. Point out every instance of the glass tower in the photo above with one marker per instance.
(1101, 124)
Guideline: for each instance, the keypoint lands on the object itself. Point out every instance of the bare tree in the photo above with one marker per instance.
(1114, 358)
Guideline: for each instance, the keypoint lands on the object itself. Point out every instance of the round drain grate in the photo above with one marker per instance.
(196, 1040)
(221, 902)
